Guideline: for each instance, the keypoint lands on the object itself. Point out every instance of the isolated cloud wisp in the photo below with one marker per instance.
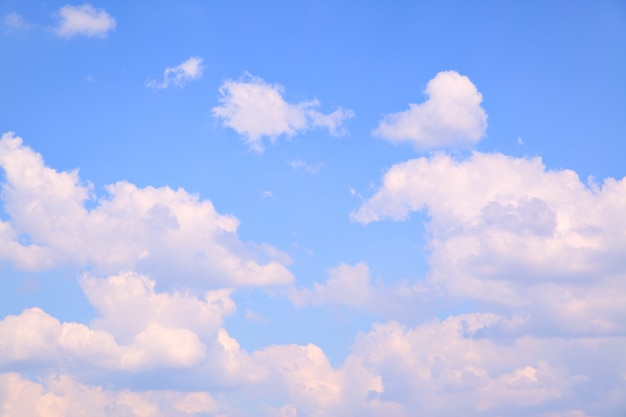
(451, 116)
(257, 109)
(14, 20)
(84, 20)
(189, 70)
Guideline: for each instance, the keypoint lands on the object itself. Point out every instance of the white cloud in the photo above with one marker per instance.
(299, 164)
(172, 235)
(14, 20)
(63, 396)
(128, 303)
(189, 70)
(257, 109)
(506, 231)
(84, 20)
(451, 117)
(346, 285)
(137, 329)
(450, 368)
(351, 286)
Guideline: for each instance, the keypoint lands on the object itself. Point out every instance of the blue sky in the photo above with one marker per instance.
(313, 209)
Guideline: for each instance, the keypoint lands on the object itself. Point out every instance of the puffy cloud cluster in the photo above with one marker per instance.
(84, 20)
(450, 367)
(137, 329)
(257, 109)
(451, 117)
(189, 70)
(509, 233)
(63, 396)
(170, 234)
(537, 251)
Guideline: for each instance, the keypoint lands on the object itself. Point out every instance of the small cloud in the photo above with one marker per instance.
(84, 20)
(30, 285)
(299, 164)
(354, 193)
(15, 21)
(451, 117)
(257, 109)
(255, 317)
(90, 79)
(191, 69)
(266, 194)
(520, 141)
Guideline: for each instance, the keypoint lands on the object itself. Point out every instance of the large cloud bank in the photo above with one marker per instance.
(535, 255)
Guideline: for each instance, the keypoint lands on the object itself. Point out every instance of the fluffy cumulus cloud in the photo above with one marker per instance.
(136, 329)
(451, 116)
(171, 234)
(84, 20)
(449, 367)
(537, 252)
(189, 70)
(63, 396)
(256, 109)
(508, 232)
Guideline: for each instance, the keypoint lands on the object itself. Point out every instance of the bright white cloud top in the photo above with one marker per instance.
(451, 116)
(84, 20)
(179, 75)
(257, 109)
(152, 266)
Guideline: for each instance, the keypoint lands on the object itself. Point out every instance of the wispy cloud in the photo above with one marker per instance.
(451, 117)
(257, 109)
(14, 20)
(299, 164)
(189, 70)
(84, 20)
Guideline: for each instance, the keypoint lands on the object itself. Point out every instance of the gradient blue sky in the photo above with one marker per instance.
(313, 208)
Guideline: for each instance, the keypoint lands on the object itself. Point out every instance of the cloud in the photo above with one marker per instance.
(446, 367)
(64, 396)
(171, 234)
(351, 286)
(299, 164)
(84, 20)
(257, 109)
(189, 70)
(451, 117)
(508, 232)
(15, 21)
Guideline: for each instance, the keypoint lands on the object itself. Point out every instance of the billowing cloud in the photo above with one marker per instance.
(505, 231)
(170, 234)
(84, 20)
(162, 337)
(257, 109)
(451, 116)
(449, 367)
(299, 164)
(63, 396)
(189, 70)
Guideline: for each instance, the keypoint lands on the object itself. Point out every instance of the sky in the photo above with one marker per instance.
(313, 208)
